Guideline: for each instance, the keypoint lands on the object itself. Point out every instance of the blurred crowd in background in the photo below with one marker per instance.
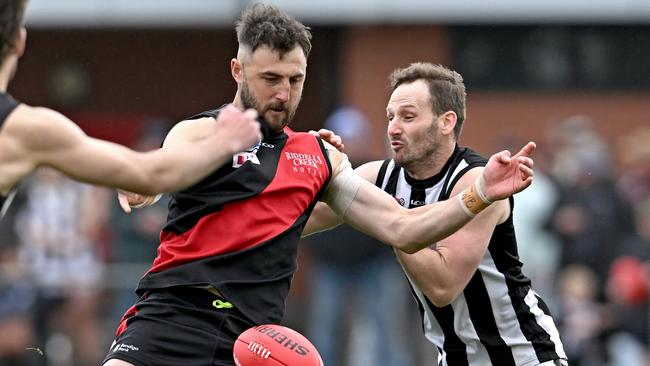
(70, 258)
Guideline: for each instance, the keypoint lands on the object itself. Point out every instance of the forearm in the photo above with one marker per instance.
(193, 149)
(372, 211)
(177, 167)
(407, 230)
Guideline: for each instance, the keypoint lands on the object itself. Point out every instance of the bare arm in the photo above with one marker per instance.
(443, 270)
(375, 213)
(323, 218)
(50, 139)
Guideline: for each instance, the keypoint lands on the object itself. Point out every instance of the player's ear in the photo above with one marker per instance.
(448, 122)
(236, 70)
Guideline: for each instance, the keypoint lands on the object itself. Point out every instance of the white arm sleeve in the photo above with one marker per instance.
(342, 188)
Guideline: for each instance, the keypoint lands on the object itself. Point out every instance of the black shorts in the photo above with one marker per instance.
(178, 326)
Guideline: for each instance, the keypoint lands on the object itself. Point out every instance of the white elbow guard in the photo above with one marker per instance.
(342, 188)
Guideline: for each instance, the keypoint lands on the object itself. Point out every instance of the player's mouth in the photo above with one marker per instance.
(396, 145)
(277, 109)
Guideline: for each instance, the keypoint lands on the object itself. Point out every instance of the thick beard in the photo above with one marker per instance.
(249, 101)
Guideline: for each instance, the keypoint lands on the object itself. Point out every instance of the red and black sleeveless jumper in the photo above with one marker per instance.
(238, 229)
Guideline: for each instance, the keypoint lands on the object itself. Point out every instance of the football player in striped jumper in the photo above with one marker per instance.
(477, 306)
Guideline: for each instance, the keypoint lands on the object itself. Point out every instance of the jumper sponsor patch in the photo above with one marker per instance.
(305, 163)
(126, 348)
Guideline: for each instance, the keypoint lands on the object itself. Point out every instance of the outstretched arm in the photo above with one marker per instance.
(53, 140)
(375, 213)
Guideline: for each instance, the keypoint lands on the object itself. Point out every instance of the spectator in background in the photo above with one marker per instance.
(134, 237)
(628, 290)
(595, 222)
(538, 248)
(634, 156)
(18, 345)
(58, 228)
(352, 271)
(582, 317)
(591, 216)
(627, 286)
(17, 295)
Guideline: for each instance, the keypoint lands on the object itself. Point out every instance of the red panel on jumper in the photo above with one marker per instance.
(301, 173)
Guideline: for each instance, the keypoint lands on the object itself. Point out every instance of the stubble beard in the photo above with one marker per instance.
(423, 155)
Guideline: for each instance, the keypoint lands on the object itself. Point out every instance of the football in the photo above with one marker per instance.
(274, 345)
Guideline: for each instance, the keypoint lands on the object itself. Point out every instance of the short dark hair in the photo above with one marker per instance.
(11, 20)
(265, 24)
(446, 88)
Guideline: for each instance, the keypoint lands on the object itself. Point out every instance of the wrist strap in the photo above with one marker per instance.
(479, 189)
(472, 200)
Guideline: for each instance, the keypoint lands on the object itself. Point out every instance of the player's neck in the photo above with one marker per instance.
(6, 73)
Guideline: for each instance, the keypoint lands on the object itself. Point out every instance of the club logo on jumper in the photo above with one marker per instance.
(249, 155)
(305, 163)
(400, 200)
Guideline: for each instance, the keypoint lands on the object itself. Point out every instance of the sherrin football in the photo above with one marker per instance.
(274, 345)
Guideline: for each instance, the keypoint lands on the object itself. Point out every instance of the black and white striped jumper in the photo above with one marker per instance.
(498, 319)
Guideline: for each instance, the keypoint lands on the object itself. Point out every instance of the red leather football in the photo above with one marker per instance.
(274, 345)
